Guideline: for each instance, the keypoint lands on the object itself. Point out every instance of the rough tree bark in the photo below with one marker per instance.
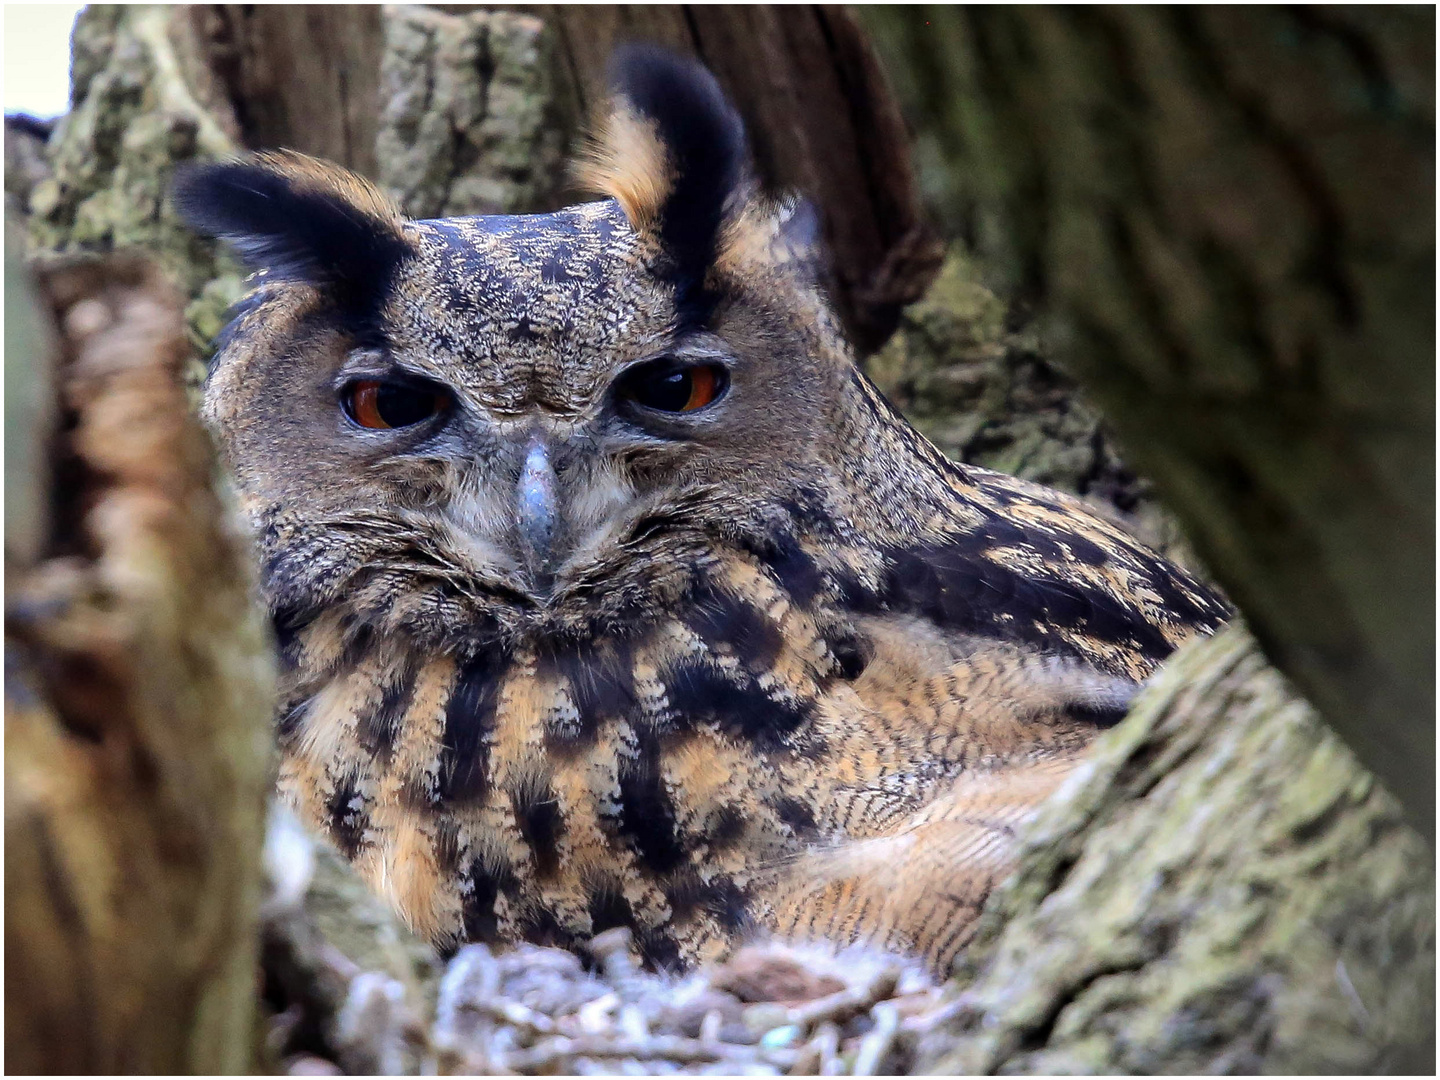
(143, 99)
(304, 76)
(137, 682)
(1231, 210)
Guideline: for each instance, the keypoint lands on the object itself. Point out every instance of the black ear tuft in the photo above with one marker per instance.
(678, 175)
(301, 220)
(703, 137)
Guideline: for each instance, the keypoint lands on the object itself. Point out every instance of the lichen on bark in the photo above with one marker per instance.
(469, 121)
(142, 103)
(26, 164)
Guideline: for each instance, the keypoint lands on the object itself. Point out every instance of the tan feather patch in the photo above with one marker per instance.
(627, 161)
(311, 174)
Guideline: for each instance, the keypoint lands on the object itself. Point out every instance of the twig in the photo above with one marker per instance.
(827, 1041)
(676, 1048)
(875, 1046)
(844, 1004)
(512, 1013)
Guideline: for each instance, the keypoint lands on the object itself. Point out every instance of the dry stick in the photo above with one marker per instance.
(807, 1061)
(876, 1045)
(473, 975)
(512, 1013)
(827, 1042)
(958, 1010)
(674, 1048)
(844, 1004)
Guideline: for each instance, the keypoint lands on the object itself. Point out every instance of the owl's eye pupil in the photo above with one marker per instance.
(382, 405)
(666, 388)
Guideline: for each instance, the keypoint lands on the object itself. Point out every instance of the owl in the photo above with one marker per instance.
(610, 592)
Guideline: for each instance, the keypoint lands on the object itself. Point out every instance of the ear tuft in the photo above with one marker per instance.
(672, 153)
(300, 219)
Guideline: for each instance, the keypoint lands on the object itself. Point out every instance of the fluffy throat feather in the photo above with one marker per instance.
(1076, 595)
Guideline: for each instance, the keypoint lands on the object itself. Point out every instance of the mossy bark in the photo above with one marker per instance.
(143, 101)
(26, 164)
(470, 121)
(1230, 214)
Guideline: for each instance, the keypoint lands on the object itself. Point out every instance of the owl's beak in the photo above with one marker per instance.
(535, 507)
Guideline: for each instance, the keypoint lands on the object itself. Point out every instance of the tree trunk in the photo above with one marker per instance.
(303, 76)
(1231, 213)
(137, 685)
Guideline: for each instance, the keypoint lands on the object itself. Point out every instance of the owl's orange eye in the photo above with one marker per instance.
(384, 405)
(666, 388)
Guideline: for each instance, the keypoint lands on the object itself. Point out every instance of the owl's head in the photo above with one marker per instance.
(519, 406)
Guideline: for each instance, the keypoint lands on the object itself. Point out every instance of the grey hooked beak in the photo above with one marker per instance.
(535, 509)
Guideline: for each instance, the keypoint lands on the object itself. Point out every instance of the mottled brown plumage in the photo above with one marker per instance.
(558, 661)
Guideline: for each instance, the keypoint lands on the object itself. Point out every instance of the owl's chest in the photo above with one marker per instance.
(662, 780)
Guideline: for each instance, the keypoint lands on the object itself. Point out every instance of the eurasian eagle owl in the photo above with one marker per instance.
(611, 592)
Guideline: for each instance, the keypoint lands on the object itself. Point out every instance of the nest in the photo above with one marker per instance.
(349, 991)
